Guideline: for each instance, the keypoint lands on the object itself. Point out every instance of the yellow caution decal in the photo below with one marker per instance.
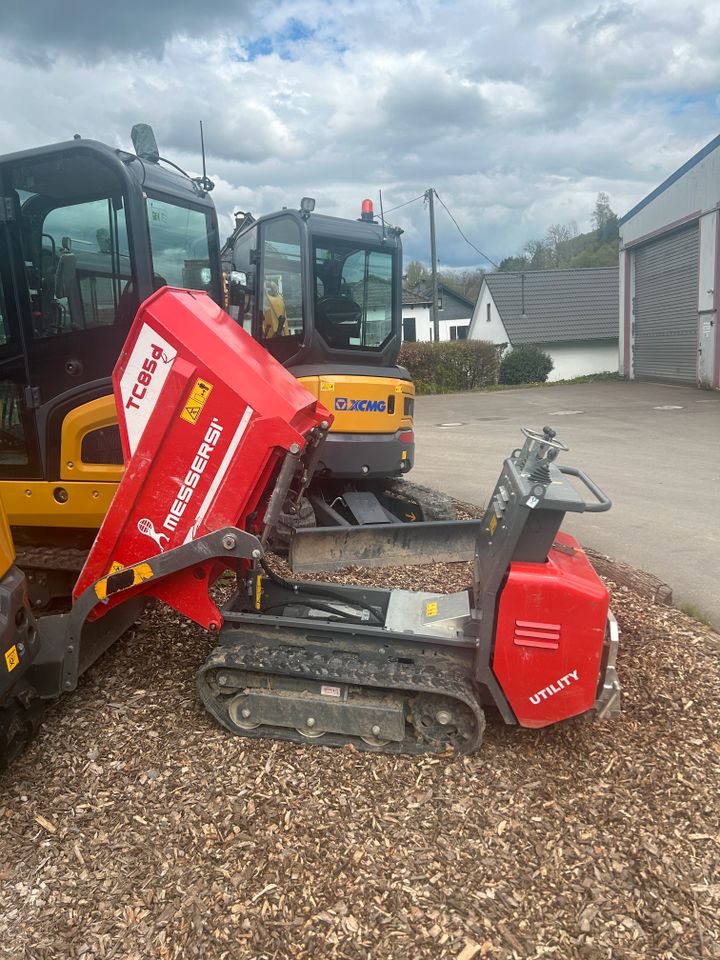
(12, 658)
(492, 525)
(123, 579)
(258, 591)
(196, 401)
(431, 608)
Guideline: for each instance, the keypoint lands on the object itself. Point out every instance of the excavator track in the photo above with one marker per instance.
(19, 722)
(51, 573)
(414, 501)
(334, 697)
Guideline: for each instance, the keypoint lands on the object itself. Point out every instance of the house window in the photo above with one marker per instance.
(459, 333)
(440, 302)
(488, 313)
(409, 330)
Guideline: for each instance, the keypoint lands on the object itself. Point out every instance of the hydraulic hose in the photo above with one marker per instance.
(321, 592)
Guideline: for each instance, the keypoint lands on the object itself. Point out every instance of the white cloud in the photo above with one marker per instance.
(517, 113)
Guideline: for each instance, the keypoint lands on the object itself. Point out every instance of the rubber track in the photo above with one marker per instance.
(50, 558)
(18, 726)
(346, 668)
(433, 504)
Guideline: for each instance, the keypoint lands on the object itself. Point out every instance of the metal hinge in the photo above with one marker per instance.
(32, 398)
(7, 210)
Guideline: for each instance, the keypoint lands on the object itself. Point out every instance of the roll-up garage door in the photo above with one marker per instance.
(666, 307)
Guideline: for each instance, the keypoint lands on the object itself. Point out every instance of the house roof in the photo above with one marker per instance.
(560, 305)
(421, 294)
(681, 171)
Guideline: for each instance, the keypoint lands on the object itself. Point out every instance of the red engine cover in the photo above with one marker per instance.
(205, 416)
(549, 637)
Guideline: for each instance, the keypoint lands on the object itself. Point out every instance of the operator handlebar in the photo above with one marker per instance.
(604, 502)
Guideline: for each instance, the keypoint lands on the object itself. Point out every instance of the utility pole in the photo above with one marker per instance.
(430, 196)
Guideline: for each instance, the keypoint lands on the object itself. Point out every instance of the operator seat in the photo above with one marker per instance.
(338, 320)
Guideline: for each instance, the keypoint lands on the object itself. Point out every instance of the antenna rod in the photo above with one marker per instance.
(382, 215)
(202, 148)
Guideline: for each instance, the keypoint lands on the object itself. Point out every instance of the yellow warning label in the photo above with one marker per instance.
(11, 658)
(431, 608)
(258, 592)
(325, 385)
(140, 573)
(404, 455)
(492, 525)
(398, 388)
(196, 401)
(115, 566)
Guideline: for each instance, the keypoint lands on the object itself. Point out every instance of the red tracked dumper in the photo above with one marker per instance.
(219, 439)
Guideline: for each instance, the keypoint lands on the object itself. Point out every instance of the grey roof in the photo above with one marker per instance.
(423, 294)
(560, 305)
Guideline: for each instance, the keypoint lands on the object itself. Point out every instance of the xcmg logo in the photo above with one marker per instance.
(363, 406)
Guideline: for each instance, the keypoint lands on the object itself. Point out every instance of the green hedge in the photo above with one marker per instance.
(451, 367)
(526, 364)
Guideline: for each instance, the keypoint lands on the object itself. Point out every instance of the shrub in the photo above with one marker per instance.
(451, 366)
(525, 364)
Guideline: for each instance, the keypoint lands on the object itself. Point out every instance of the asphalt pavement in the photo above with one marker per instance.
(653, 447)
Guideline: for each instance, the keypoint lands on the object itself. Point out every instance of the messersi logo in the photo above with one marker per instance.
(363, 406)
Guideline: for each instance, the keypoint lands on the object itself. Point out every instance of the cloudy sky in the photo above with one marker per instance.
(517, 111)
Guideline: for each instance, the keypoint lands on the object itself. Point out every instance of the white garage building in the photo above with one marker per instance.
(670, 274)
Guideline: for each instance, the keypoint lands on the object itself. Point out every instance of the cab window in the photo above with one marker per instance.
(280, 317)
(242, 289)
(84, 267)
(353, 295)
(180, 243)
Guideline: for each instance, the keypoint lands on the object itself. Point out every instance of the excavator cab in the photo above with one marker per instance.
(323, 296)
(87, 232)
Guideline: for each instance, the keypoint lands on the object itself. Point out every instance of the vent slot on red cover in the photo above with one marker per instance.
(544, 636)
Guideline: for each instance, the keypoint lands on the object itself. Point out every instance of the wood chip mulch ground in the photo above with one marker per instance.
(135, 828)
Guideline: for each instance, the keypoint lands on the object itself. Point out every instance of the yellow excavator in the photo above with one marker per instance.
(87, 232)
(323, 295)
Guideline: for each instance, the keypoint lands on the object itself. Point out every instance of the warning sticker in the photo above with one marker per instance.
(492, 525)
(12, 659)
(196, 401)
(431, 609)
(328, 691)
(326, 385)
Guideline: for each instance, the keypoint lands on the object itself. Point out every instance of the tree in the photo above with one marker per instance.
(465, 282)
(562, 246)
(538, 255)
(417, 273)
(557, 238)
(605, 220)
(514, 264)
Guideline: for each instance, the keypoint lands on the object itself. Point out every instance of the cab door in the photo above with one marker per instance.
(75, 295)
(19, 455)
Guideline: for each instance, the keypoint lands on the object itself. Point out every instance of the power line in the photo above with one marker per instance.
(469, 242)
(421, 197)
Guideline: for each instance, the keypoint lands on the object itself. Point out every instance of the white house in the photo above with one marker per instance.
(454, 312)
(570, 314)
(670, 276)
